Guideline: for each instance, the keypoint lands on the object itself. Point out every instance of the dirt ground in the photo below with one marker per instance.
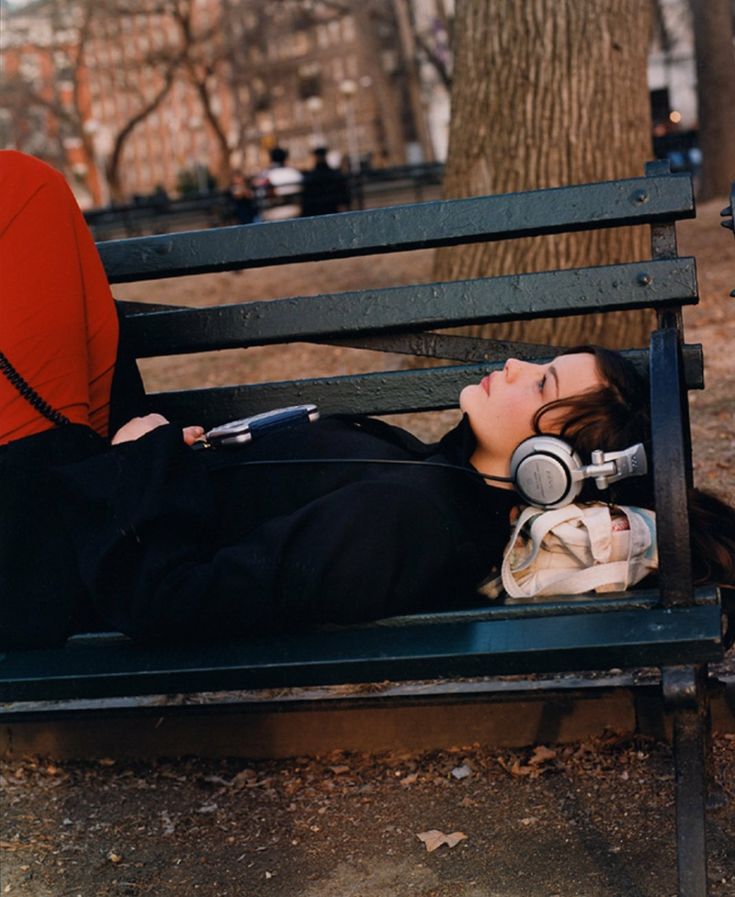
(712, 323)
(583, 820)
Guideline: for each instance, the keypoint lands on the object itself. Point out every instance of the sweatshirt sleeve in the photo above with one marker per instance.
(144, 525)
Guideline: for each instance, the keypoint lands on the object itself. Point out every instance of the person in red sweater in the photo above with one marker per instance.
(57, 317)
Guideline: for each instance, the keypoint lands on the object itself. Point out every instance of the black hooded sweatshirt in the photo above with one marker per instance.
(163, 543)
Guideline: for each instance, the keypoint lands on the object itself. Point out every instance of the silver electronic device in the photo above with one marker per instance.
(238, 432)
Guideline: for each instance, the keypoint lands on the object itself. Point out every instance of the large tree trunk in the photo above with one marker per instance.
(547, 93)
(713, 33)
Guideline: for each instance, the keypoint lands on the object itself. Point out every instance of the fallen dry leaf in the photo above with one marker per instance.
(455, 837)
(541, 755)
(535, 766)
(434, 838)
(244, 777)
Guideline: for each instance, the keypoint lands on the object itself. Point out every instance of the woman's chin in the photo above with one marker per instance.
(470, 394)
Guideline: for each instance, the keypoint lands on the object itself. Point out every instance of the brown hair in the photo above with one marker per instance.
(615, 416)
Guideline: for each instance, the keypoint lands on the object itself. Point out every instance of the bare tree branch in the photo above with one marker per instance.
(112, 168)
(432, 56)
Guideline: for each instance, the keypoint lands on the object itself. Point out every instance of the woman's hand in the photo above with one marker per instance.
(192, 434)
(139, 426)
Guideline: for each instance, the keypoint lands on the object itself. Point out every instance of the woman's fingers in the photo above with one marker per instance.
(192, 434)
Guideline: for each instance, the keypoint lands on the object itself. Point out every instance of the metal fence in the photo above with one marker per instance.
(157, 213)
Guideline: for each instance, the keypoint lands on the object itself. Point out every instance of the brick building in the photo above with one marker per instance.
(236, 77)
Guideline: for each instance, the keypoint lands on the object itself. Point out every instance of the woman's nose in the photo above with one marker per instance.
(512, 367)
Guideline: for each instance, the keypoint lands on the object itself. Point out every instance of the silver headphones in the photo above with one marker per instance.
(547, 473)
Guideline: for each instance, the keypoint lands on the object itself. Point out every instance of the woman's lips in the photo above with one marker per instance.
(485, 384)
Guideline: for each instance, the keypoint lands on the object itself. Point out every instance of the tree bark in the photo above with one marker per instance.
(547, 93)
(713, 36)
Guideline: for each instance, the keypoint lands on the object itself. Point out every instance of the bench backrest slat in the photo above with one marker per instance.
(406, 308)
(644, 200)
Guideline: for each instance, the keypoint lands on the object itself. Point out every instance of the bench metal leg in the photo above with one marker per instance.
(685, 693)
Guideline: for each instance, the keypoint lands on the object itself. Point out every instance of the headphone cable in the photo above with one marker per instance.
(30, 394)
(290, 461)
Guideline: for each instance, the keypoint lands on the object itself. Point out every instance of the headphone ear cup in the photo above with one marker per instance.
(546, 472)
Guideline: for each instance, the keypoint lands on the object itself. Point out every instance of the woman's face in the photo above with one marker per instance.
(502, 405)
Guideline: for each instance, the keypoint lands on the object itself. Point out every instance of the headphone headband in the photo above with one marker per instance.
(548, 473)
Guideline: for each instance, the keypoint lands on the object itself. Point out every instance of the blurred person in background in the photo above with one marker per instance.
(278, 188)
(326, 189)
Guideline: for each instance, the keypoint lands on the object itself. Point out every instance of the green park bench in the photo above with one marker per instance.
(674, 627)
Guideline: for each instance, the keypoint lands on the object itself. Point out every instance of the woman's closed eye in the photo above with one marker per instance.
(542, 383)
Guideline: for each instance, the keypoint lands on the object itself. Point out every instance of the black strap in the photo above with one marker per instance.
(30, 394)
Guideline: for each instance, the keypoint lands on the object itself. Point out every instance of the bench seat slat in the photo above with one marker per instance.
(643, 200)
(415, 307)
(543, 643)
(388, 392)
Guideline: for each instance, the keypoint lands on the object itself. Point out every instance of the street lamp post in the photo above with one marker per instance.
(348, 89)
(315, 104)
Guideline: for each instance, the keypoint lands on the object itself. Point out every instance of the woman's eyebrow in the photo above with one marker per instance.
(555, 375)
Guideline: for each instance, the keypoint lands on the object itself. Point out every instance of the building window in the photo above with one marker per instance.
(30, 67)
(310, 81)
(261, 97)
(300, 43)
(348, 29)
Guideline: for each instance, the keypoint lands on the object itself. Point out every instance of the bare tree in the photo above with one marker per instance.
(713, 41)
(60, 98)
(218, 62)
(433, 40)
(78, 30)
(25, 124)
(545, 93)
(203, 49)
(144, 82)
